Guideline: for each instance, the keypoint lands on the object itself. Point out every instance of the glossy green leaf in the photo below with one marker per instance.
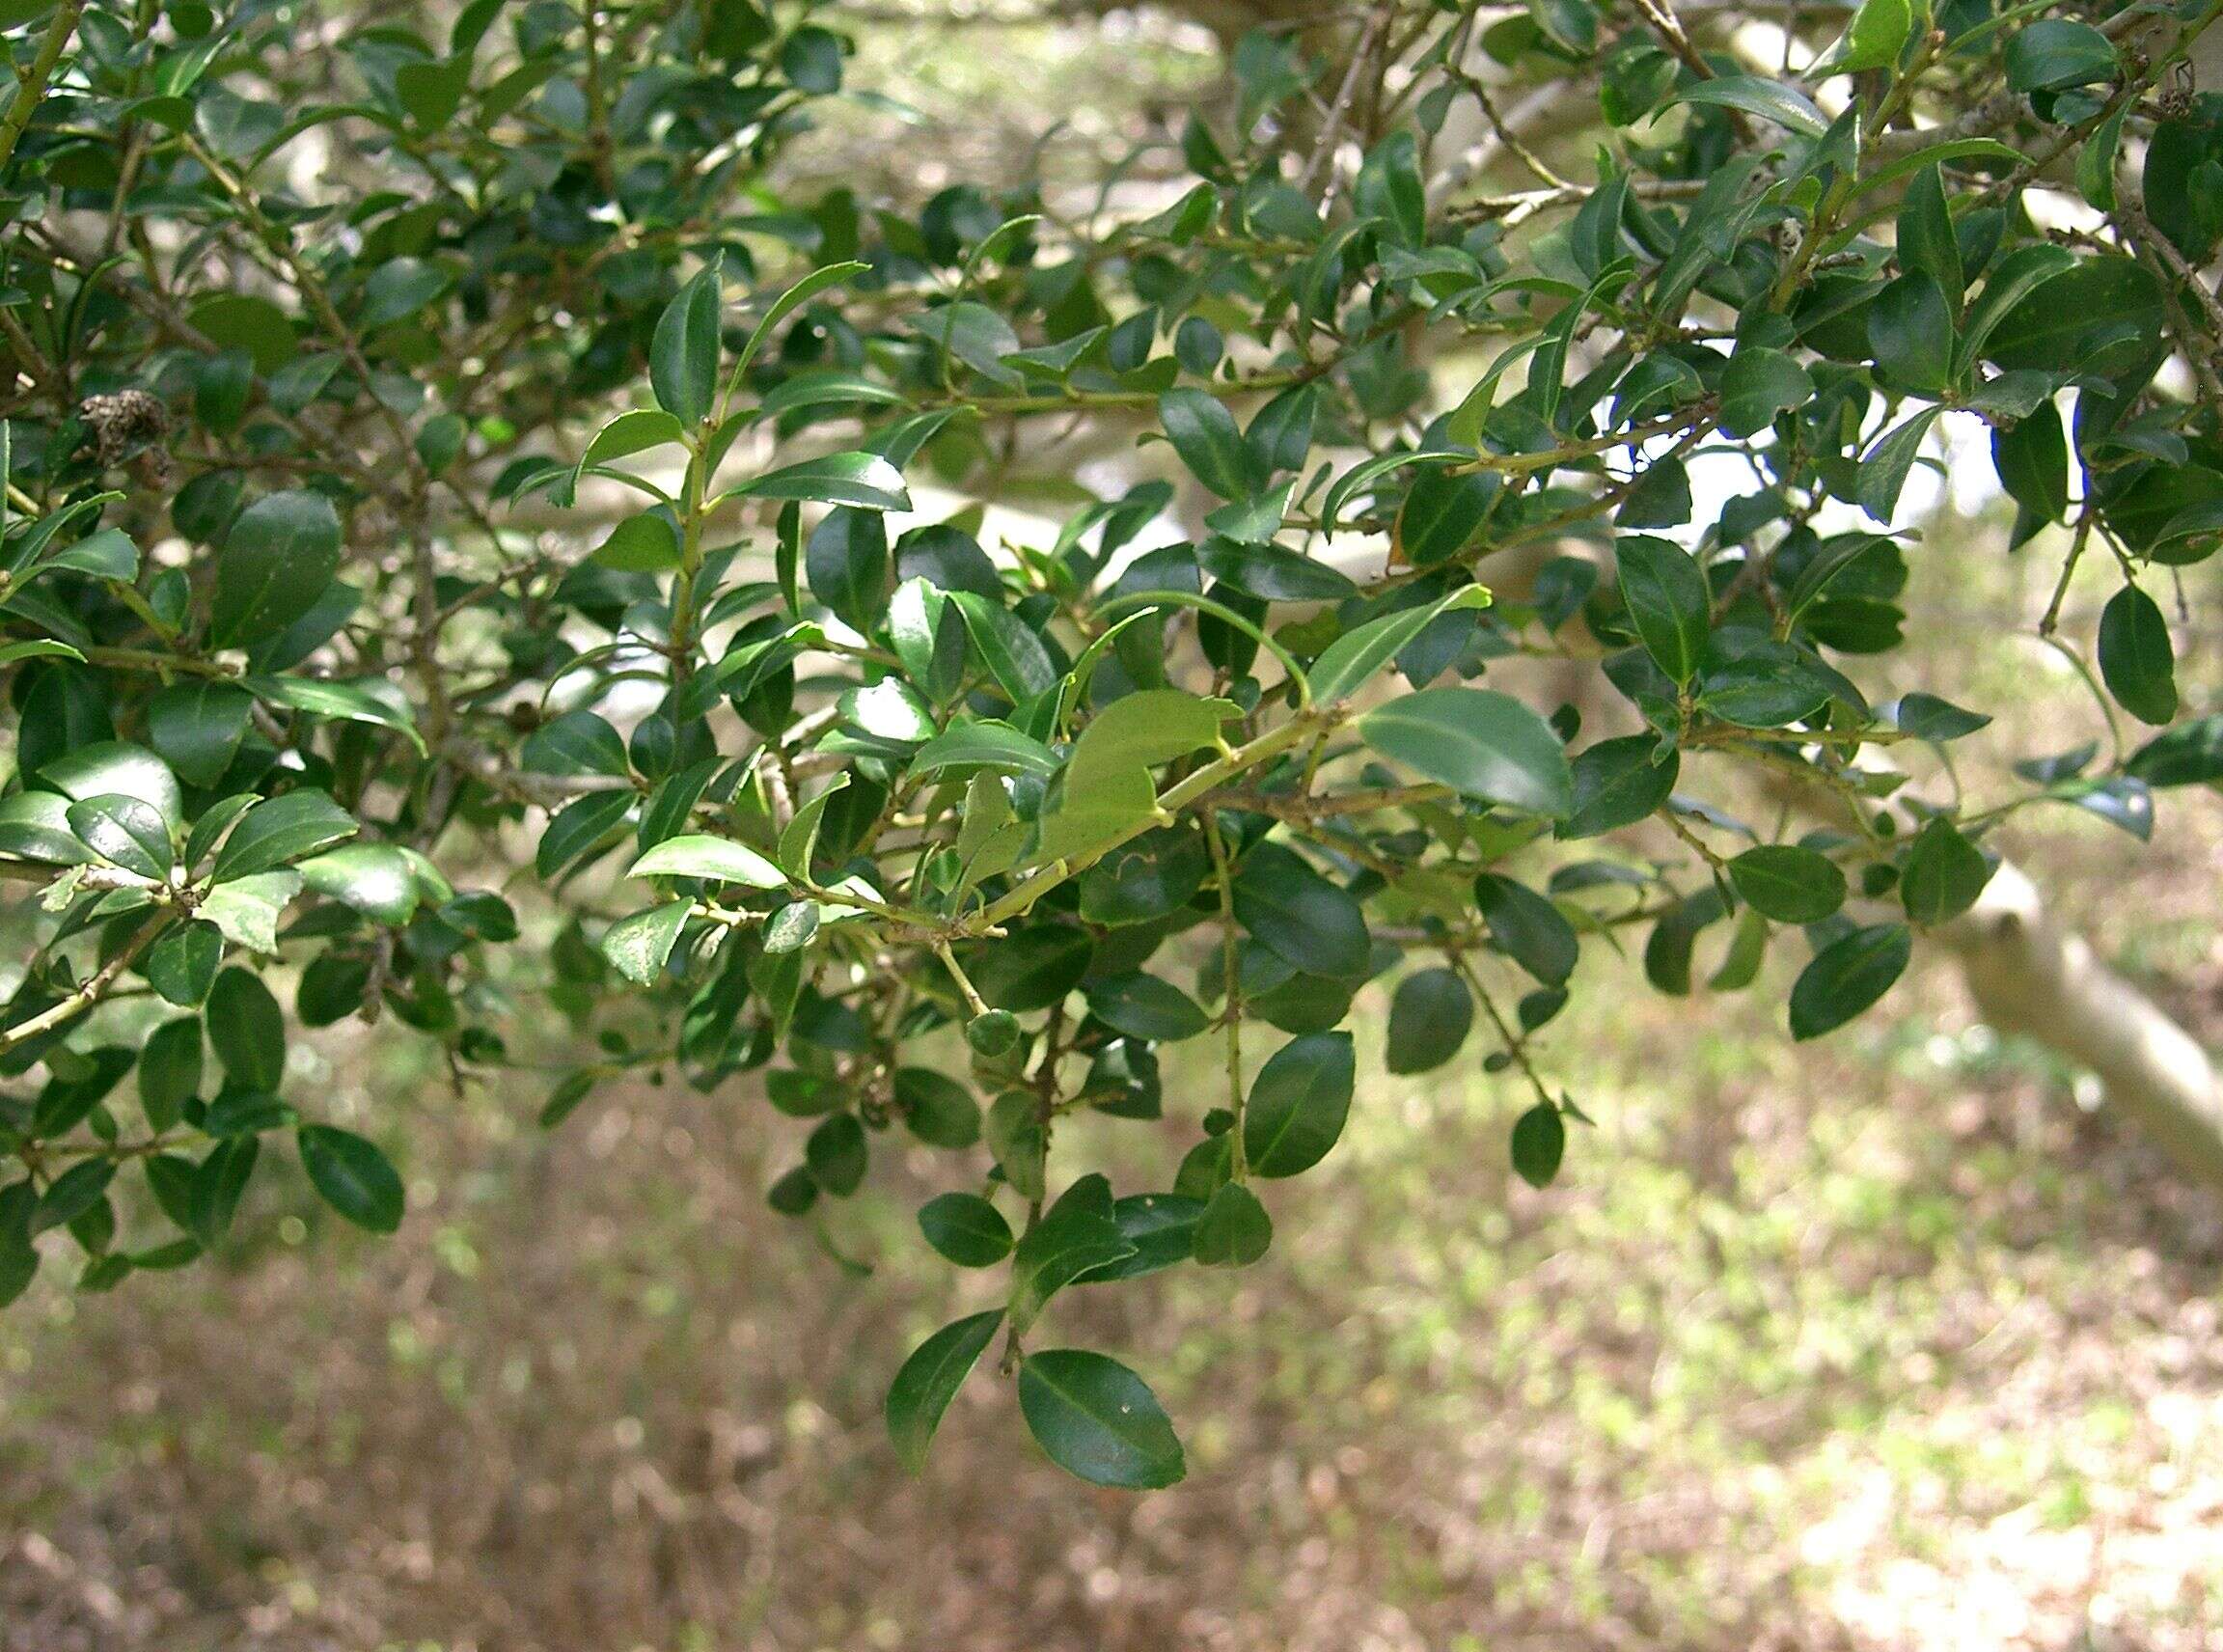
(276, 563)
(352, 1176)
(1481, 743)
(717, 859)
(1430, 1017)
(1848, 977)
(2137, 657)
(930, 1380)
(683, 355)
(1297, 1104)
(1789, 884)
(1098, 1420)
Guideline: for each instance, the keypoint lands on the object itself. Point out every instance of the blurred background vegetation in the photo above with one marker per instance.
(1893, 1342)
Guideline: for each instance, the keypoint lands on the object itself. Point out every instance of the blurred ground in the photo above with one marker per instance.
(1886, 1343)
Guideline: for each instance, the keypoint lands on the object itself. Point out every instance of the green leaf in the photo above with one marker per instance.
(1352, 660)
(1876, 36)
(1297, 1104)
(2191, 755)
(107, 553)
(1484, 744)
(2032, 459)
(631, 432)
(1927, 244)
(930, 1380)
(965, 1229)
(2055, 53)
(1944, 874)
(864, 481)
(352, 1175)
(1847, 977)
(639, 944)
(836, 1154)
(791, 300)
(1788, 884)
(1618, 783)
(1769, 100)
(282, 829)
(576, 743)
(371, 700)
(1668, 603)
(398, 289)
(718, 860)
(1759, 383)
(34, 826)
(940, 1111)
(123, 832)
(248, 1031)
(1143, 1007)
(683, 355)
(1032, 968)
(1429, 1019)
(1927, 717)
(1885, 467)
(1910, 332)
(181, 965)
(276, 563)
(2010, 290)
(1014, 655)
(1139, 732)
(1367, 472)
(846, 559)
(647, 542)
(170, 1071)
(1539, 1143)
(1098, 1420)
(1314, 924)
(375, 879)
(246, 910)
(197, 726)
(985, 744)
(1528, 927)
(1075, 1236)
(2137, 657)
(116, 768)
(1234, 1232)
(1203, 432)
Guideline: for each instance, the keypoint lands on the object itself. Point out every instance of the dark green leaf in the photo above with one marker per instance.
(282, 829)
(1205, 434)
(2137, 657)
(1539, 1143)
(967, 1231)
(1944, 874)
(1297, 1104)
(1665, 591)
(1618, 783)
(1429, 1020)
(248, 1031)
(930, 1380)
(352, 1175)
(1313, 923)
(1788, 884)
(1234, 1232)
(277, 562)
(1479, 742)
(1847, 977)
(683, 357)
(1098, 1420)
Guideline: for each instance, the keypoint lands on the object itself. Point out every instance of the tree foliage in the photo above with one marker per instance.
(331, 339)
